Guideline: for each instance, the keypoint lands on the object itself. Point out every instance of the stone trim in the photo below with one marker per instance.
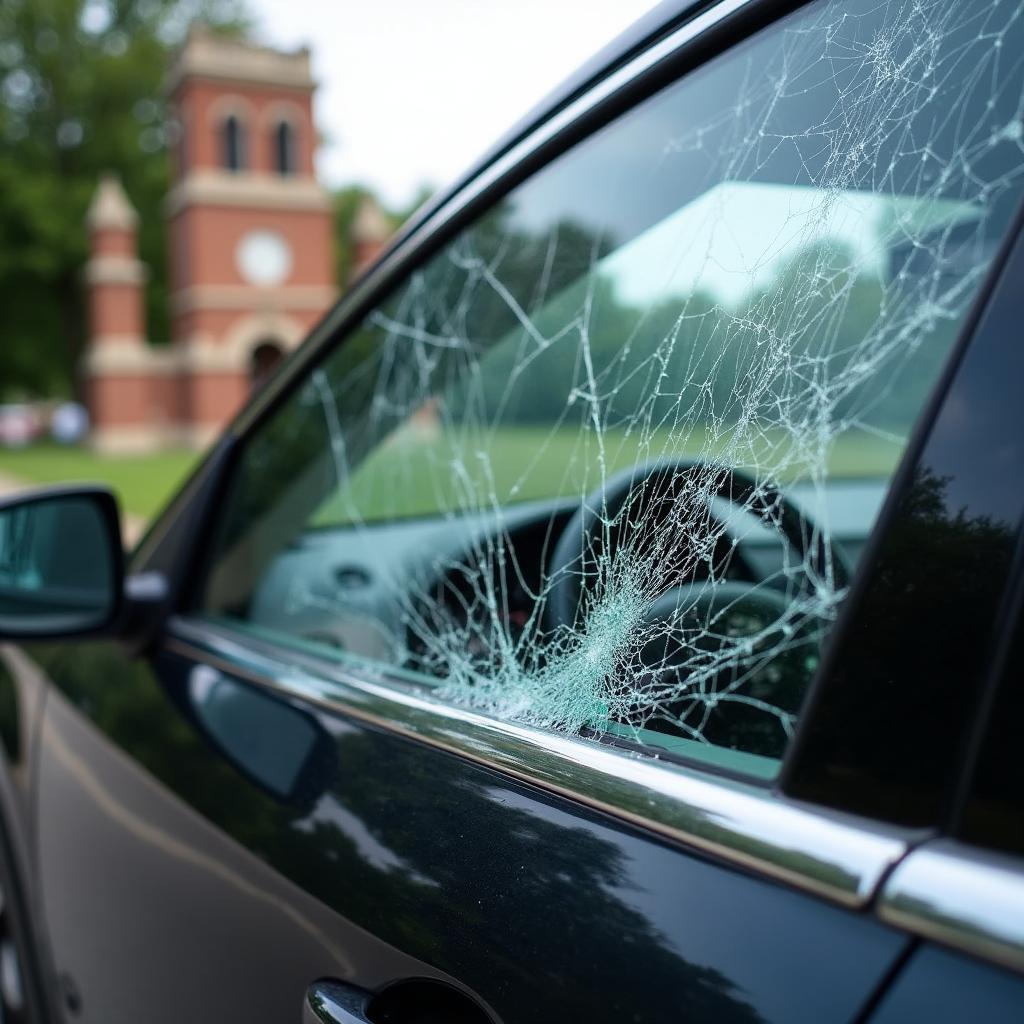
(194, 435)
(207, 56)
(112, 356)
(303, 298)
(284, 110)
(198, 358)
(115, 270)
(231, 103)
(234, 350)
(129, 440)
(370, 223)
(110, 209)
(138, 440)
(198, 355)
(247, 189)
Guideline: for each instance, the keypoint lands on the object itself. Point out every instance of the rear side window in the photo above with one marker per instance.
(607, 461)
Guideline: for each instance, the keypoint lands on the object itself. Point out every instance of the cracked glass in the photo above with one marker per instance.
(606, 462)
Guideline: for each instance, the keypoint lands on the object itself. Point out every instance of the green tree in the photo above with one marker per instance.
(80, 92)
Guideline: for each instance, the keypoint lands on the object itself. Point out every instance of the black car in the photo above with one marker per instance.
(611, 613)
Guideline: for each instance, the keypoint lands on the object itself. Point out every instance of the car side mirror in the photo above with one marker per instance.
(61, 563)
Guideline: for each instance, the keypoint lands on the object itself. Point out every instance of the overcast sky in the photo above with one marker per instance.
(412, 91)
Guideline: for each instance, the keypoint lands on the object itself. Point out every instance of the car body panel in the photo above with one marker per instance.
(24, 687)
(947, 988)
(408, 863)
(151, 906)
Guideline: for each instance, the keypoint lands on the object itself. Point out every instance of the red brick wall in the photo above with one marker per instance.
(213, 398)
(209, 236)
(121, 401)
(116, 309)
(203, 103)
(113, 242)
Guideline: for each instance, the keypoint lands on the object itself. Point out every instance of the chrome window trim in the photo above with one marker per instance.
(960, 896)
(490, 184)
(839, 857)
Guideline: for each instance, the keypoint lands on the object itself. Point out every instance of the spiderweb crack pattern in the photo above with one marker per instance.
(902, 116)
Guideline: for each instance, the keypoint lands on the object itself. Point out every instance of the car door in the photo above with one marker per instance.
(482, 685)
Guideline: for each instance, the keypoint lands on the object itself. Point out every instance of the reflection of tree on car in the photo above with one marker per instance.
(939, 564)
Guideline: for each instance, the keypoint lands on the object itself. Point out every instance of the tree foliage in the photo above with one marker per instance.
(80, 92)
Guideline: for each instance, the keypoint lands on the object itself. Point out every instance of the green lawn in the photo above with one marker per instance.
(142, 482)
(411, 475)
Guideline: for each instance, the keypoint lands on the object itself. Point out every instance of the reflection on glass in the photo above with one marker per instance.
(269, 739)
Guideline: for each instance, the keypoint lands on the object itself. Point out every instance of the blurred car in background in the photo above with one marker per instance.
(19, 425)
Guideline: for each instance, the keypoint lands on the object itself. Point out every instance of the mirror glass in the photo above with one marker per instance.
(57, 566)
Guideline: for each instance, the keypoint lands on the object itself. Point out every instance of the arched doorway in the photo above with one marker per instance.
(265, 357)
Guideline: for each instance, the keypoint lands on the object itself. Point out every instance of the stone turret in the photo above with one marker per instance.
(114, 274)
(371, 230)
(117, 350)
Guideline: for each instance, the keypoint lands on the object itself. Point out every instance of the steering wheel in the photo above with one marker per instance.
(647, 493)
(709, 615)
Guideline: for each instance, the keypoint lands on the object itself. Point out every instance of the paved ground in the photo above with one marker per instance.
(8, 485)
(131, 526)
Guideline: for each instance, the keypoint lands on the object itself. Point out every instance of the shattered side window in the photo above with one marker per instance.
(606, 462)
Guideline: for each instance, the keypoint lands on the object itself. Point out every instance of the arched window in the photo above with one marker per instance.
(233, 140)
(285, 154)
(177, 138)
(264, 360)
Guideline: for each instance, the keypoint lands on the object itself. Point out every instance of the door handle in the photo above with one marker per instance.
(412, 1001)
(332, 1002)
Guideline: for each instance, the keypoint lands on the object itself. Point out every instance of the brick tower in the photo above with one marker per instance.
(370, 233)
(251, 250)
(252, 263)
(118, 371)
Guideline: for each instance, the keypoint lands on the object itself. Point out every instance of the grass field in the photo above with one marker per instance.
(142, 482)
(410, 476)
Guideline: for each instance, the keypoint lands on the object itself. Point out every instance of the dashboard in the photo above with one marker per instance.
(355, 588)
